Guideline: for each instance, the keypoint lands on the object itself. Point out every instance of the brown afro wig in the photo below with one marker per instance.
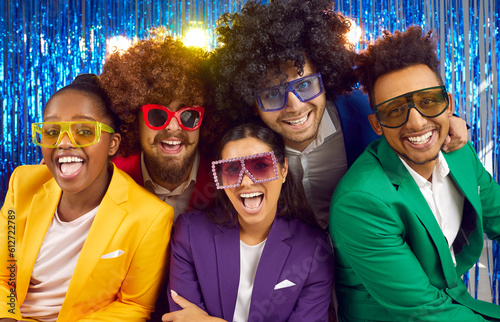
(157, 70)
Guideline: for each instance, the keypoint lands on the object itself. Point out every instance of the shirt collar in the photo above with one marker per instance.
(160, 190)
(441, 169)
(325, 129)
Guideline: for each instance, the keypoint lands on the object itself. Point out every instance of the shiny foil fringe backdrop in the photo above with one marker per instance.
(44, 44)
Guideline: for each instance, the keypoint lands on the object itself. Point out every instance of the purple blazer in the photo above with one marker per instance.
(205, 269)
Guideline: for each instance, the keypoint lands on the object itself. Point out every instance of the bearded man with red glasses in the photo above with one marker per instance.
(157, 91)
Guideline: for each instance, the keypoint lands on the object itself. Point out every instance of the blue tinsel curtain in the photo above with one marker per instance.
(44, 44)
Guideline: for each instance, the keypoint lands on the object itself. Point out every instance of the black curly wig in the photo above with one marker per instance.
(258, 41)
(393, 52)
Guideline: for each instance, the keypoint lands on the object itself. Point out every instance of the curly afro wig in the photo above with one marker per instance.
(258, 41)
(393, 52)
(158, 70)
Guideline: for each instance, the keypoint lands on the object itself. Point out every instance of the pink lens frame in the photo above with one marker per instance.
(146, 108)
(244, 169)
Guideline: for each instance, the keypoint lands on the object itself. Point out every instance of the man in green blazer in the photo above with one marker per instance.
(406, 220)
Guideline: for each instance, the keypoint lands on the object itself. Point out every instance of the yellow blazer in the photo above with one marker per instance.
(129, 218)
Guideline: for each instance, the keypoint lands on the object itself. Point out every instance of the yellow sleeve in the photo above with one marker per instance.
(9, 248)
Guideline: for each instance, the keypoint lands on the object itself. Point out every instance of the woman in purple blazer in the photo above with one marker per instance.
(260, 255)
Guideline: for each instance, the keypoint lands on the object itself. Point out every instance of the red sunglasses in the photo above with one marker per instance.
(157, 117)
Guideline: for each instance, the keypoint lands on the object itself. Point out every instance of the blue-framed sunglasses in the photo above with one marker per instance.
(305, 88)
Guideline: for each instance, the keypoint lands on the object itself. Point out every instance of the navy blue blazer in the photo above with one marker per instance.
(353, 110)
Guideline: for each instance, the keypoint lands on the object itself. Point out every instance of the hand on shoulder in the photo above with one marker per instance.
(457, 136)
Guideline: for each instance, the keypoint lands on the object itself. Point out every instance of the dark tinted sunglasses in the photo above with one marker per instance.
(429, 102)
(158, 117)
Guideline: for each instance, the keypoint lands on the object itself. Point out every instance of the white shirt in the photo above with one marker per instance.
(54, 266)
(443, 197)
(322, 164)
(249, 261)
(179, 197)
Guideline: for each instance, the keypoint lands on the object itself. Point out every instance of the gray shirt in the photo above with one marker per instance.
(321, 165)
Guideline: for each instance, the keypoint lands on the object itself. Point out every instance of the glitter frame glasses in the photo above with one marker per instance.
(66, 127)
(292, 86)
(244, 170)
(436, 98)
(178, 115)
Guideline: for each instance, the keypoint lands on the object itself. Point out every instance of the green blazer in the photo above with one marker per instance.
(393, 262)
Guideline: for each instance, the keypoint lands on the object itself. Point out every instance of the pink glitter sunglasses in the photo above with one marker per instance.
(260, 167)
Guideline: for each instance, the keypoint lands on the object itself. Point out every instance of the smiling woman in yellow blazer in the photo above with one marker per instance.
(119, 268)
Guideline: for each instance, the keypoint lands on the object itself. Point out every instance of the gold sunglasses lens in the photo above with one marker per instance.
(47, 134)
(82, 134)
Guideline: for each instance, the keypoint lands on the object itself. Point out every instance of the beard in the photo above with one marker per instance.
(171, 170)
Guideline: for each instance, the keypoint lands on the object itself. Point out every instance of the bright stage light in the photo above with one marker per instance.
(354, 34)
(118, 43)
(196, 37)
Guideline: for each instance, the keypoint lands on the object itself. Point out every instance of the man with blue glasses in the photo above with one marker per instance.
(289, 62)
(408, 221)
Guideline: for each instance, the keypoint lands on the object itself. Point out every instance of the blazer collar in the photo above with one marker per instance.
(227, 245)
(468, 184)
(42, 210)
(273, 258)
(410, 193)
(106, 222)
(270, 266)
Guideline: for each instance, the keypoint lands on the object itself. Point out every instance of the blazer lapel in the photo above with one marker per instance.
(411, 195)
(42, 210)
(106, 222)
(227, 248)
(271, 264)
(472, 206)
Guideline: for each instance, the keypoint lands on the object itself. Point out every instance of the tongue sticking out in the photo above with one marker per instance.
(253, 202)
(70, 168)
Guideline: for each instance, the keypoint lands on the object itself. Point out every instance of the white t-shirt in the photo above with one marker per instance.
(249, 261)
(54, 266)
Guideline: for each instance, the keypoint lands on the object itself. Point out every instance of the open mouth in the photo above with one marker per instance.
(300, 121)
(252, 201)
(69, 166)
(171, 146)
(421, 139)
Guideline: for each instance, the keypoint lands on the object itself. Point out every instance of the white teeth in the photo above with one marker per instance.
(299, 121)
(420, 139)
(251, 195)
(70, 159)
(172, 142)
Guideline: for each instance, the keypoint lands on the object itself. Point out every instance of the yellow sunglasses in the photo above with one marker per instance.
(81, 134)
